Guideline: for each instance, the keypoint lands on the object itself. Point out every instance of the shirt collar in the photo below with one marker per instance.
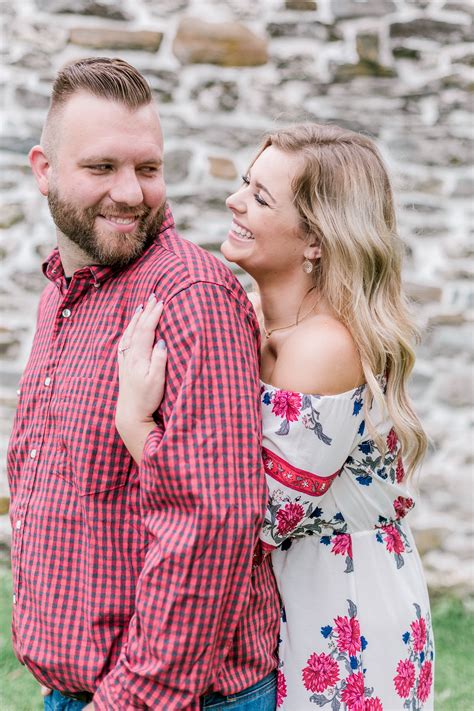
(53, 268)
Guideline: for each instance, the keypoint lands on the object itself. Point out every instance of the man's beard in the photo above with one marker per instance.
(109, 249)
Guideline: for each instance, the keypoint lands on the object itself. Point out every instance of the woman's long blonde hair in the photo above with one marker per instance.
(345, 200)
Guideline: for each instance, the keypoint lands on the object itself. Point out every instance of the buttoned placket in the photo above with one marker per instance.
(64, 314)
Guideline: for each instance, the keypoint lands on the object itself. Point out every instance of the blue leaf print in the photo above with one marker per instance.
(364, 480)
(326, 631)
(363, 642)
(366, 447)
(316, 513)
(286, 544)
(284, 428)
(379, 538)
(339, 516)
(267, 399)
(354, 663)
(422, 657)
(361, 429)
(357, 407)
(352, 609)
(283, 614)
(326, 540)
(406, 637)
(306, 402)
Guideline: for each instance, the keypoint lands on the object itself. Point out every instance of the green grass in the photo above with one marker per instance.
(454, 638)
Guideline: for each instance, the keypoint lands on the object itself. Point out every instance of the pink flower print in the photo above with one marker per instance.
(392, 441)
(353, 694)
(393, 540)
(288, 518)
(342, 545)
(402, 506)
(281, 688)
(373, 704)
(424, 681)
(418, 628)
(322, 671)
(405, 678)
(287, 405)
(400, 473)
(348, 631)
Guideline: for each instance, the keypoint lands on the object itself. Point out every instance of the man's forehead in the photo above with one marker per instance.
(86, 115)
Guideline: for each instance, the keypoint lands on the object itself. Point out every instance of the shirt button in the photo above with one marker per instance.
(96, 284)
(14, 599)
(33, 453)
(47, 381)
(18, 392)
(66, 313)
(18, 524)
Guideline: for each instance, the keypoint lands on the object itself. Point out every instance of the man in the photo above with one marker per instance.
(135, 587)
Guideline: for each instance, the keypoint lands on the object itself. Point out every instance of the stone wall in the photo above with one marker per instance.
(224, 72)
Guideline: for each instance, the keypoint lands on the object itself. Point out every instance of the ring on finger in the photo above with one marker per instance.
(122, 349)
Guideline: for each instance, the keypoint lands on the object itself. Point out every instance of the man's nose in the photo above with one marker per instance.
(126, 188)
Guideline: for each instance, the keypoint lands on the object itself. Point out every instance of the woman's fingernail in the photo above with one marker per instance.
(139, 308)
(160, 303)
(160, 345)
(151, 297)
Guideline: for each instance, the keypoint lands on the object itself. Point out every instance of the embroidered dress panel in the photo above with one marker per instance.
(355, 630)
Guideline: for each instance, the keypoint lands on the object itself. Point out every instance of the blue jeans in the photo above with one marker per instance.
(55, 701)
(259, 697)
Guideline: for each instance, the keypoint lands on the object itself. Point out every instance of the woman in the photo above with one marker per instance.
(313, 223)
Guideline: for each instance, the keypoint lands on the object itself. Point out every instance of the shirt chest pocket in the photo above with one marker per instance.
(90, 454)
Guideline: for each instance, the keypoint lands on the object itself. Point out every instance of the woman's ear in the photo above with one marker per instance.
(40, 166)
(312, 251)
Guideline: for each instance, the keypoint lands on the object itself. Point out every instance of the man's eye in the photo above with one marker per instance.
(101, 167)
(149, 169)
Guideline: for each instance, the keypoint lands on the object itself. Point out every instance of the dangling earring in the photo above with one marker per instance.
(308, 266)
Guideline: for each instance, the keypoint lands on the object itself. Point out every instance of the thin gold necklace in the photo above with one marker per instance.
(298, 319)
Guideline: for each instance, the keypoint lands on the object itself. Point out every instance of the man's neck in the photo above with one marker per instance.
(73, 257)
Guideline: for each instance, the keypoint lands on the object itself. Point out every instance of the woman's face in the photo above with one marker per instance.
(265, 236)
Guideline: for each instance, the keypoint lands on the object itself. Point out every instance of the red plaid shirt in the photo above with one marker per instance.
(136, 583)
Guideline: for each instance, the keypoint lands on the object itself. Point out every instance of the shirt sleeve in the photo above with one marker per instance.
(203, 502)
(307, 442)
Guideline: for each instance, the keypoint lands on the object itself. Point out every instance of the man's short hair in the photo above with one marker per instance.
(107, 78)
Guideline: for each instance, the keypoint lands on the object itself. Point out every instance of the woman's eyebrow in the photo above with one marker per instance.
(265, 190)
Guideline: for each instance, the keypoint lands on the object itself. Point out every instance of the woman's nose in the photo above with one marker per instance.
(235, 203)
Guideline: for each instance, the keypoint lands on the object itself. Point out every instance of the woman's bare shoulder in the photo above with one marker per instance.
(319, 357)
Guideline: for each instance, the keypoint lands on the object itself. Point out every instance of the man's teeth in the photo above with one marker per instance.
(241, 231)
(122, 220)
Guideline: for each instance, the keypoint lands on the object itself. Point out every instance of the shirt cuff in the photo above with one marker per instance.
(113, 695)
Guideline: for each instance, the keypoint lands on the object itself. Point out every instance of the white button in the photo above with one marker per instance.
(18, 524)
(96, 284)
(18, 392)
(33, 453)
(14, 599)
(47, 381)
(66, 313)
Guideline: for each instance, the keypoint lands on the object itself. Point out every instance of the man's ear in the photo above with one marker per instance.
(312, 251)
(41, 168)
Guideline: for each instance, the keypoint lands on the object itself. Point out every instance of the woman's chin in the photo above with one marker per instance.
(230, 253)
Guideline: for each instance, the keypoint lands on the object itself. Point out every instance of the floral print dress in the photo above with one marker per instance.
(356, 629)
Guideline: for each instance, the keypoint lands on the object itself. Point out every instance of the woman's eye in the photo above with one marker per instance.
(260, 200)
(245, 180)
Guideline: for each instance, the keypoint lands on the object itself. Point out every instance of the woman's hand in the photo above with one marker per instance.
(142, 368)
